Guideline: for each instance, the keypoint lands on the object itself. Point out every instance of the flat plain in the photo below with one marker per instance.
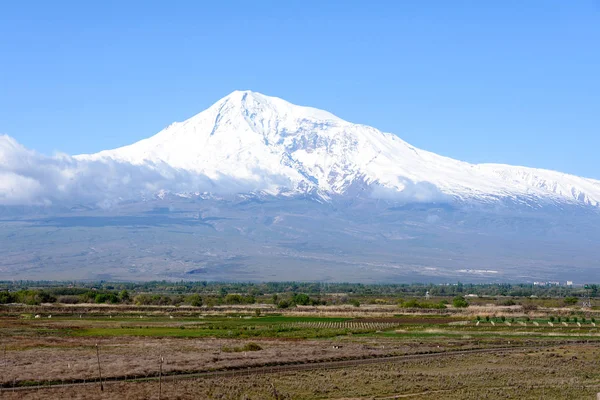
(312, 352)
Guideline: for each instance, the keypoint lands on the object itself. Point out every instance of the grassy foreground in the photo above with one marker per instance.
(45, 346)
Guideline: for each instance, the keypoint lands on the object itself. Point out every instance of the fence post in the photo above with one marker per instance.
(161, 359)
(99, 369)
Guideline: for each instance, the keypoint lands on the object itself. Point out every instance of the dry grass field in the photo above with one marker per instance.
(558, 372)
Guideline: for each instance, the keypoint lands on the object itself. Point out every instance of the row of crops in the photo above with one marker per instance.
(367, 326)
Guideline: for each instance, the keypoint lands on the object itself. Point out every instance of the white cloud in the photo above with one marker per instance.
(412, 192)
(29, 178)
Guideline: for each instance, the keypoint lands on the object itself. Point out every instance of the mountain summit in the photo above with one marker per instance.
(275, 146)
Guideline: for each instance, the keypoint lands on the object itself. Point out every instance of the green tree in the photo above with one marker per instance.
(460, 302)
(301, 299)
(195, 300)
(124, 296)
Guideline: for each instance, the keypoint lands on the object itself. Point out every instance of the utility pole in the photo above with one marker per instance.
(99, 369)
(161, 359)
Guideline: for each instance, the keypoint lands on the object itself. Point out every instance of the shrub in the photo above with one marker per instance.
(247, 347)
(460, 302)
(239, 299)
(414, 303)
(252, 347)
(7, 297)
(68, 299)
(570, 301)
(283, 304)
(124, 296)
(195, 300)
(551, 318)
(529, 307)
(301, 299)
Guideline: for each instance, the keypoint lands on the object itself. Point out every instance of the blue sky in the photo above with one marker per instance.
(507, 81)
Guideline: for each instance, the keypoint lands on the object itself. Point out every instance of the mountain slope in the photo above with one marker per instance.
(286, 149)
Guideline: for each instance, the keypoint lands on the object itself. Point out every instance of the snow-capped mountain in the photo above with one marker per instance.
(222, 196)
(283, 148)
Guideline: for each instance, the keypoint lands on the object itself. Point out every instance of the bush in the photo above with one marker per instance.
(413, 303)
(355, 303)
(252, 347)
(283, 304)
(247, 347)
(106, 298)
(460, 302)
(570, 301)
(124, 296)
(529, 307)
(301, 299)
(7, 297)
(195, 300)
(551, 318)
(68, 299)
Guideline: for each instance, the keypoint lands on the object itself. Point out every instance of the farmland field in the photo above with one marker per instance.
(259, 351)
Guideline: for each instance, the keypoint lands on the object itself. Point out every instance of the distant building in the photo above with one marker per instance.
(471, 295)
(569, 283)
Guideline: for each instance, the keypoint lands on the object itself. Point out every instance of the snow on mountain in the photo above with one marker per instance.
(285, 148)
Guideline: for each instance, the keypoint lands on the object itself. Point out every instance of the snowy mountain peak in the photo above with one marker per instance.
(250, 102)
(267, 144)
